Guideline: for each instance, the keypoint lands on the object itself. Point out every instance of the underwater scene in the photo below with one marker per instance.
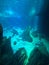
(24, 32)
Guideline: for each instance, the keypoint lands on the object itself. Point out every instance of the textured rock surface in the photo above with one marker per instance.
(1, 34)
(6, 52)
(37, 58)
(19, 57)
(26, 35)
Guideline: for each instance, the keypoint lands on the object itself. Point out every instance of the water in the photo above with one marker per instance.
(26, 24)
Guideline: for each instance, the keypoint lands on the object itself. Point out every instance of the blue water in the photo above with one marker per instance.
(20, 13)
(26, 23)
(24, 13)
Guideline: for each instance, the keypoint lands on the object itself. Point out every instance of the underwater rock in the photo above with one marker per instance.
(6, 48)
(34, 57)
(39, 43)
(1, 34)
(1, 40)
(42, 48)
(15, 43)
(6, 51)
(14, 32)
(19, 57)
(6, 59)
(34, 33)
(37, 58)
(26, 35)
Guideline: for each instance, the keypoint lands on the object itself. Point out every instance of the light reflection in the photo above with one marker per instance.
(32, 12)
(10, 12)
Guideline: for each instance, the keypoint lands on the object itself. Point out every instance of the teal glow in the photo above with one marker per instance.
(7, 13)
(32, 12)
(19, 42)
(10, 12)
(29, 46)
